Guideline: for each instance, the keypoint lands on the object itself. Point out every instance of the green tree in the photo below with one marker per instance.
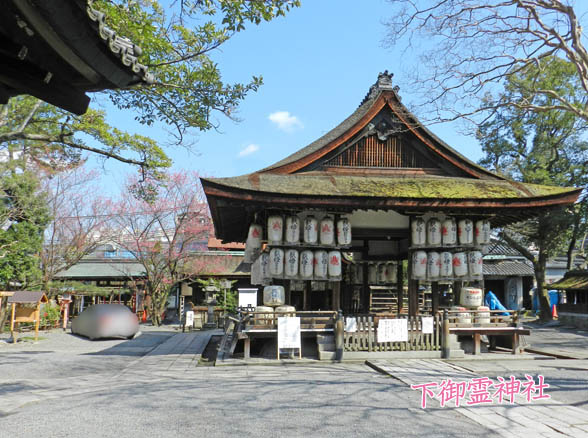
(176, 43)
(543, 147)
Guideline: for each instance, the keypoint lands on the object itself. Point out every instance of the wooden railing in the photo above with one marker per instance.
(365, 337)
(482, 318)
(309, 320)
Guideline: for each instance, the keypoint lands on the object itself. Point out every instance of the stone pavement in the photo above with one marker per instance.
(558, 340)
(543, 418)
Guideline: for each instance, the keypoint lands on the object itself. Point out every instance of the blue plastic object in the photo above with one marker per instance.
(554, 297)
(492, 302)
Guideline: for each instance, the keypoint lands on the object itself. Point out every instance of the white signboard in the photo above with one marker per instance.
(288, 332)
(393, 330)
(427, 324)
(350, 325)
(189, 318)
(247, 297)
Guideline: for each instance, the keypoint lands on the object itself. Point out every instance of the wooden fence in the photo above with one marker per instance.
(365, 337)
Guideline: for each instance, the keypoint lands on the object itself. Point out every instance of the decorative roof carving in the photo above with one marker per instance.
(384, 82)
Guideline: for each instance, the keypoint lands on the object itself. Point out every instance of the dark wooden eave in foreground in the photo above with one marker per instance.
(58, 50)
(379, 158)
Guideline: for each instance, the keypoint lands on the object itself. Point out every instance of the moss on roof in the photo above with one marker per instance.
(573, 280)
(388, 187)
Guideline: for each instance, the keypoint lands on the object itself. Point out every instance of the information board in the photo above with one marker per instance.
(247, 297)
(288, 332)
(351, 325)
(427, 324)
(393, 330)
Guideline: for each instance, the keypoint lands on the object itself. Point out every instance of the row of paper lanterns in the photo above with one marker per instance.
(290, 231)
(378, 273)
(445, 264)
(304, 264)
(437, 232)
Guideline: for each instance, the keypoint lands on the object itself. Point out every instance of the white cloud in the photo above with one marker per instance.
(248, 150)
(285, 121)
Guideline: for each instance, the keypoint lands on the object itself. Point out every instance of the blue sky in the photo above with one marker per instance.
(318, 63)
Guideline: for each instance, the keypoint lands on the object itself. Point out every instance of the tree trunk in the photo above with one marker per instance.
(3, 313)
(572, 245)
(539, 268)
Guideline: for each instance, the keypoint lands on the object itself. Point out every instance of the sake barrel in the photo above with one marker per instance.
(292, 229)
(274, 295)
(381, 273)
(266, 317)
(482, 231)
(460, 264)
(475, 263)
(418, 231)
(462, 316)
(291, 262)
(471, 297)
(275, 229)
(343, 231)
(334, 268)
(391, 273)
(310, 232)
(321, 264)
(306, 263)
(289, 311)
(327, 231)
(446, 269)
(465, 231)
(483, 315)
(276, 262)
(434, 231)
(264, 262)
(433, 265)
(254, 237)
(449, 231)
(419, 264)
(372, 273)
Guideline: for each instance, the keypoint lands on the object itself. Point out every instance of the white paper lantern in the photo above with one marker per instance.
(483, 232)
(291, 263)
(391, 273)
(419, 231)
(465, 231)
(460, 264)
(475, 263)
(275, 229)
(334, 264)
(254, 237)
(434, 231)
(419, 264)
(264, 263)
(446, 270)
(433, 265)
(449, 231)
(292, 229)
(327, 231)
(471, 297)
(343, 231)
(310, 230)
(276, 264)
(321, 264)
(306, 264)
(372, 273)
(381, 273)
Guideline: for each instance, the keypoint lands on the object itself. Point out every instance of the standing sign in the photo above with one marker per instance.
(427, 324)
(247, 298)
(393, 330)
(190, 318)
(289, 333)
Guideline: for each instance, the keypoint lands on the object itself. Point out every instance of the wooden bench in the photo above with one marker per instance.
(476, 332)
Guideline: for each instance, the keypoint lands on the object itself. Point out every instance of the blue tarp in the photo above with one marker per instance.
(553, 299)
(491, 301)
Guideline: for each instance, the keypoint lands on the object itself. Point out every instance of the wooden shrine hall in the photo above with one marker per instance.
(376, 203)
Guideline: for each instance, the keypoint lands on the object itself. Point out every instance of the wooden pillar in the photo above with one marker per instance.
(306, 295)
(435, 297)
(37, 318)
(247, 348)
(288, 287)
(336, 296)
(12, 323)
(364, 305)
(457, 285)
(400, 286)
(413, 288)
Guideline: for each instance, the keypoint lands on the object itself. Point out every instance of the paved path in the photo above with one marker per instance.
(544, 418)
(558, 340)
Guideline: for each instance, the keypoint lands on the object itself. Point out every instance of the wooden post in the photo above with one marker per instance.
(476, 343)
(400, 287)
(365, 290)
(305, 293)
(515, 343)
(339, 337)
(247, 348)
(445, 349)
(37, 318)
(336, 296)
(12, 323)
(435, 297)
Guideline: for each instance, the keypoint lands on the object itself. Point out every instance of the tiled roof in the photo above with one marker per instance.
(27, 297)
(573, 280)
(498, 247)
(508, 269)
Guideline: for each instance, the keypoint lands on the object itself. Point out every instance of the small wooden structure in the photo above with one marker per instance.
(575, 310)
(26, 307)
